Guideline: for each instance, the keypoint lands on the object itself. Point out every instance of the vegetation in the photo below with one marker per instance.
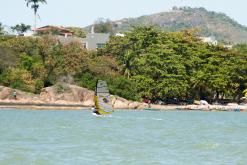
(21, 28)
(35, 7)
(219, 25)
(103, 26)
(146, 63)
(1, 29)
(178, 65)
(78, 32)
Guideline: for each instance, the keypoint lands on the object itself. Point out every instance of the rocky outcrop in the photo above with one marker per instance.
(75, 96)
(63, 94)
(67, 93)
(121, 103)
(59, 94)
(6, 93)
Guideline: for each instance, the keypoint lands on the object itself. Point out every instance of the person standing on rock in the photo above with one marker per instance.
(15, 95)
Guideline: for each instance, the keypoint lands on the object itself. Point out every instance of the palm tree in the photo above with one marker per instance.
(35, 6)
(21, 28)
(1, 28)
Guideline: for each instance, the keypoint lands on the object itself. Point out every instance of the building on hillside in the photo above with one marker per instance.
(91, 41)
(95, 40)
(228, 46)
(210, 40)
(120, 35)
(54, 30)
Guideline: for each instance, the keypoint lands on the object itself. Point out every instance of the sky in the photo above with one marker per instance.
(82, 13)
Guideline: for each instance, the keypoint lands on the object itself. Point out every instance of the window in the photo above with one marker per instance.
(100, 45)
(84, 45)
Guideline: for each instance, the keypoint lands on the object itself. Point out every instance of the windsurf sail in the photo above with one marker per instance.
(102, 99)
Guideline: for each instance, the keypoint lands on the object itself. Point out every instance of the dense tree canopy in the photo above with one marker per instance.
(146, 63)
(103, 26)
(178, 65)
(45, 59)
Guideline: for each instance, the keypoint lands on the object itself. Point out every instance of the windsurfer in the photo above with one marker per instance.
(96, 112)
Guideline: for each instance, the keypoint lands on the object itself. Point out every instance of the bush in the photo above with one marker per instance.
(62, 87)
(118, 85)
(18, 78)
(123, 87)
(39, 84)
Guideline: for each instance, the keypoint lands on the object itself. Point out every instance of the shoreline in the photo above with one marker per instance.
(42, 106)
(69, 107)
(78, 98)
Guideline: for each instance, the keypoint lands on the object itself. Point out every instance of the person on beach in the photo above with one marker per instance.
(15, 95)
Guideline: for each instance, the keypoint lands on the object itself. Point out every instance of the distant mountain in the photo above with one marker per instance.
(212, 24)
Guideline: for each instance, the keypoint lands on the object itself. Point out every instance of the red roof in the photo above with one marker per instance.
(48, 28)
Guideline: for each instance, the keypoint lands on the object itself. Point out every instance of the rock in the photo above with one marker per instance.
(72, 93)
(134, 105)
(47, 94)
(65, 94)
(196, 102)
(121, 103)
(5, 93)
(142, 106)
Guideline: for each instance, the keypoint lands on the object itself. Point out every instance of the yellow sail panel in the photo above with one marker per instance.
(96, 102)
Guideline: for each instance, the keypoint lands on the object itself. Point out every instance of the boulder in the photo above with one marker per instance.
(5, 92)
(142, 106)
(65, 94)
(134, 105)
(70, 93)
(121, 103)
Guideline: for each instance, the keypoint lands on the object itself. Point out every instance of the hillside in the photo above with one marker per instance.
(219, 25)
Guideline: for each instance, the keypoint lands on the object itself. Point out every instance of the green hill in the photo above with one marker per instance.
(219, 25)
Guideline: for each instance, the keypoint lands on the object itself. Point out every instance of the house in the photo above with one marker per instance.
(95, 40)
(210, 40)
(91, 41)
(54, 30)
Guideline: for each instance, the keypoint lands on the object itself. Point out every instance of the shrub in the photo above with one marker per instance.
(62, 87)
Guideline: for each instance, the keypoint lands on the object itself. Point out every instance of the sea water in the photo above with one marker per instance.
(124, 138)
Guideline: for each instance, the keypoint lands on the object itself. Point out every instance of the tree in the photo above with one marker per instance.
(1, 29)
(35, 7)
(21, 28)
(78, 32)
(19, 79)
(7, 59)
(103, 26)
(178, 64)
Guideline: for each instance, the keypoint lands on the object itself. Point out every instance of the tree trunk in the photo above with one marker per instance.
(35, 21)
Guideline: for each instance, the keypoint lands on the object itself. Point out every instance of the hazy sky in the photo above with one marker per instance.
(85, 12)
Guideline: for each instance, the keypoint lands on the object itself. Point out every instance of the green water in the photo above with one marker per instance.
(125, 138)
